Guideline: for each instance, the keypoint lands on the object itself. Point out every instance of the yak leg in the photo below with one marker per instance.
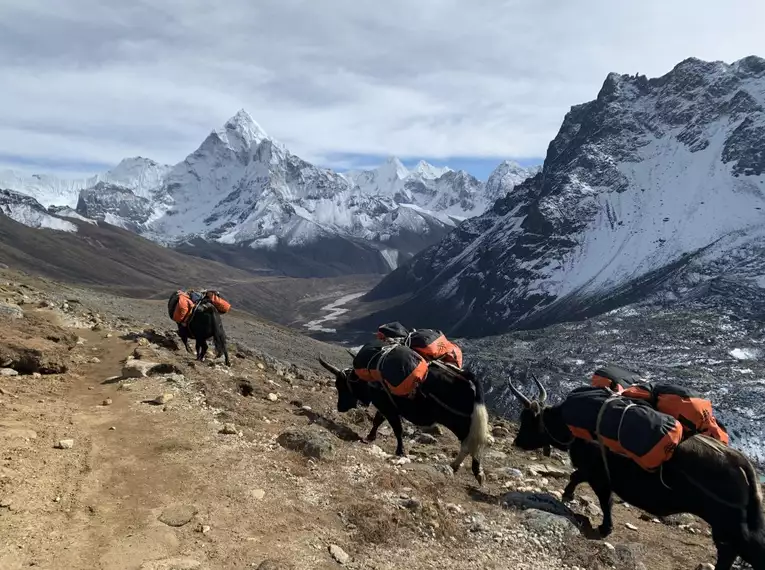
(201, 349)
(376, 423)
(606, 499)
(726, 554)
(477, 470)
(183, 332)
(398, 429)
(576, 479)
(457, 463)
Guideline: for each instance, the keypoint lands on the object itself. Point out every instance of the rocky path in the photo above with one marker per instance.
(202, 467)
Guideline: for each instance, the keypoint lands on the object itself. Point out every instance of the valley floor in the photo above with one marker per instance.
(160, 486)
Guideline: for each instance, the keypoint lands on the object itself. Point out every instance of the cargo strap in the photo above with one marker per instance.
(385, 351)
(190, 316)
(563, 444)
(602, 411)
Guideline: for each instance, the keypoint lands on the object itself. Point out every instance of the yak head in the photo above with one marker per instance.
(532, 433)
(350, 391)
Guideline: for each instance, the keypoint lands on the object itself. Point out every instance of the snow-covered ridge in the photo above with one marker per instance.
(242, 187)
(657, 185)
(139, 175)
(28, 211)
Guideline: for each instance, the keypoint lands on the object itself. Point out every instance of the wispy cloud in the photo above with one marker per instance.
(92, 81)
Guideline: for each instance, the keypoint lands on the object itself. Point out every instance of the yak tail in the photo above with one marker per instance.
(478, 437)
(754, 516)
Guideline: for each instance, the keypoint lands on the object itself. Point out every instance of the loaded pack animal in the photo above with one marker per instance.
(199, 318)
(205, 323)
(703, 477)
(448, 396)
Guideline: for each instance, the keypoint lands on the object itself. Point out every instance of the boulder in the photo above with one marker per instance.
(311, 442)
(165, 339)
(30, 355)
(543, 522)
(539, 501)
(11, 311)
(142, 368)
(178, 515)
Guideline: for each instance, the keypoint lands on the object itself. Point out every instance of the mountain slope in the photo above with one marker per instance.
(62, 246)
(655, 186)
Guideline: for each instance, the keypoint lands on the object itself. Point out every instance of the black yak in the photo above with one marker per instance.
(205, 323)
(703, 477)
(450, 397)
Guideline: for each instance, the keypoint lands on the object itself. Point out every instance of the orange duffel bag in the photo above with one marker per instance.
(692, 411)
(218, 302)
(628, 427)
(400, 368)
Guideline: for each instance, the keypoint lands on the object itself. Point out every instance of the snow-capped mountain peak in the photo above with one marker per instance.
(393, 169)
(430, 172)
(241, 132)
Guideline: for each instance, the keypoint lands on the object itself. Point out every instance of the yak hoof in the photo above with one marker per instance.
(605, 530)
(481, 478)
(567, 498)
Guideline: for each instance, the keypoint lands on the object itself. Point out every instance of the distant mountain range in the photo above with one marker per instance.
(245, 199)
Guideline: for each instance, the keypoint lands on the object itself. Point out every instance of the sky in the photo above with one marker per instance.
(342, 83)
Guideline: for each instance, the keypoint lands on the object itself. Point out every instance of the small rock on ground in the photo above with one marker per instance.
(627, 556)
(138, 368)
(107, 402)
(705, 566)
(310, 442)
(271, 564)
(426, 438)
(273, 397)
(339, 554)
(163, 398)
(8, 372)
(229, 429)
(500, 431)
(64, 444)
(435, 429)
(173, 564)
(178, 515)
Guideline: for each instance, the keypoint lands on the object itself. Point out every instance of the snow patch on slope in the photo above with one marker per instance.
(676, 204)
(36, 218)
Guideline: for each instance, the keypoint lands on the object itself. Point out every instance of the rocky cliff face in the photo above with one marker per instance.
(656, 186)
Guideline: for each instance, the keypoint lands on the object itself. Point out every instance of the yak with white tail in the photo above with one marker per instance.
(448, 396)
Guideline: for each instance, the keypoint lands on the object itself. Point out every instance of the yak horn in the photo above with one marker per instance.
(328, 366)
(542, 391)
(524, 400)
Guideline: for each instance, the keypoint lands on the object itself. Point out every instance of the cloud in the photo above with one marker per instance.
(92, 81)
